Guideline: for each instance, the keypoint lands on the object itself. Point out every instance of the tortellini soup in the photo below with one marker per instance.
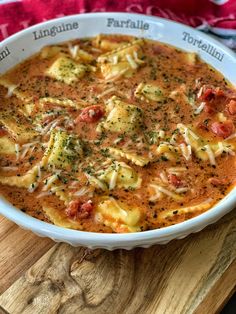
(116, 134)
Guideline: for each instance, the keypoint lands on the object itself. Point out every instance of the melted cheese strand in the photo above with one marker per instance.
(50, 180)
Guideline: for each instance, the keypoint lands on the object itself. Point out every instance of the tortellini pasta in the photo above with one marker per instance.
(117, 175)
(104, 43)
(72, 51)
(66, 70)
(18, 126)
(60, 219)
(60, 102)
(23, 181)
(120, 175)
(122, 117)
(191, 58)
(15, 90)
(169, 151)
(134, 158)
(204, 149)
(149, 92)
(104, 135)
(122, 61)
(118, 216)
(63, 150)
(186, 210)
(6, 145)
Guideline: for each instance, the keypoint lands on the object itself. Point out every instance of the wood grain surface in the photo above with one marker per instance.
(19, 249)
(193, 275)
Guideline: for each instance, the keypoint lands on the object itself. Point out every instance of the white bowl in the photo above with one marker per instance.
(27, 42)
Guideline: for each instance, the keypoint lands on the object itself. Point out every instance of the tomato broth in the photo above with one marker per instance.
(116, 134)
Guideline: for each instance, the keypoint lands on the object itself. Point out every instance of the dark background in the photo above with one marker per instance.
(230, 308)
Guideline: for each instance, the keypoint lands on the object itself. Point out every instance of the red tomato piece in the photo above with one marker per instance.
(79, 210)
(72, 209)
(207, 95)
(90, 114)
(174, 180)
(223, 129)
(209, 108)
(2, 131)
(210, 93)
(88, 206)
(231, 107)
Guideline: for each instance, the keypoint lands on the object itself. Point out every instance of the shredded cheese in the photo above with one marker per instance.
(163, 190)
(50, 180)
(24, 152)
(230, 137)
(108, 91)
(200, 108)
(117, 76)
(199, 94)
(163, 177)
(33, 187)
(39, 172)
(182, 190)
(9, 168)
(210, 154)
(30, 144)
(17, 150)
(131, 61)
(53, 125)
(224, 148)
(84, 190)
(73, 50)
(136, 58)
(10, 90)
(186, 150)
(96, 182)
(113, 179)
(43, 194)
(193, 135)
(57, 188)
(115, 59)
(176, 169)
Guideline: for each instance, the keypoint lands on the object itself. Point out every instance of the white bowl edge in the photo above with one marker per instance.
(158, 29)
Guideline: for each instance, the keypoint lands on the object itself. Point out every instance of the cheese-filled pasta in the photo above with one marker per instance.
(116, 134)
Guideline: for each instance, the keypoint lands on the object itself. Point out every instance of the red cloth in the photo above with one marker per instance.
(218, 16)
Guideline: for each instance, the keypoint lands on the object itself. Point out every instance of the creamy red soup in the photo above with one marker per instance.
(116, 134)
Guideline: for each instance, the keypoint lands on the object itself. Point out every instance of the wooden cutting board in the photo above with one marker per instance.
(193, 275)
